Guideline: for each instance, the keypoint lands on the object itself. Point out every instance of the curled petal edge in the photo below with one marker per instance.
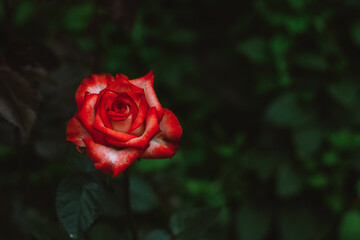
(93, 84)
(75, 133)
(86, 116)
(147, 83)
(167, 142)
(109, 160)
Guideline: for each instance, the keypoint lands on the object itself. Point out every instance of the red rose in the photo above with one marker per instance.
(120, 120)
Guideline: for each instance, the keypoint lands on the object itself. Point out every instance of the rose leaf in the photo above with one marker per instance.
(78, 203)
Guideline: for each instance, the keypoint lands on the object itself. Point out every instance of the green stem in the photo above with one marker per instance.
(128, 205)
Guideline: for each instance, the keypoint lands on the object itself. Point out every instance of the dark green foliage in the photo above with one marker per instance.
(253, 222)
(350, 226)
(79, 200)
(191, 224)
(288, 180)
(142, 195)
(158, 234)
(302, 222)
(267, 92)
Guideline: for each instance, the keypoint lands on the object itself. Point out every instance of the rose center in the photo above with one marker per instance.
(120, 107)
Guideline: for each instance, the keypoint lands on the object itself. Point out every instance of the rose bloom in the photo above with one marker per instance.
(120, 120)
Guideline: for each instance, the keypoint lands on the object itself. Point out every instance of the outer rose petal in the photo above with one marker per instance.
(122, 84)
(92, 84)
(167, 142)
(75, 132)
(147, 83)
(110, 160)
(86, 115)
(160, 148)
(170, 126)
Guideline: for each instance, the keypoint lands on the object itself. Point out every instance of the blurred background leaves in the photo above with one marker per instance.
(267, 93)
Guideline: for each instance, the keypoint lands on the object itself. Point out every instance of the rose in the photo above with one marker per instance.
(120, 120)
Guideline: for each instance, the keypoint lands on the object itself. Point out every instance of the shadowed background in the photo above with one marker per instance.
(267, 92)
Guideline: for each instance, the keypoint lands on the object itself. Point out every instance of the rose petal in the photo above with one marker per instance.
(109, 133)
(140, 118)
(103, 105)
(122, 125)
(152, 128)
(133, 88)
(75, 132)
(122, 84)
(125, 98)
(160, 148)
(170, 126)
(167, 142)
(140, 130)
(111, 119)
(86, 115)
(109, 160)
(92, 84)
(147, 83)
(108, 99)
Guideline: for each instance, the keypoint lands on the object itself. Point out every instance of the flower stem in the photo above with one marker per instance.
(128, 205)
